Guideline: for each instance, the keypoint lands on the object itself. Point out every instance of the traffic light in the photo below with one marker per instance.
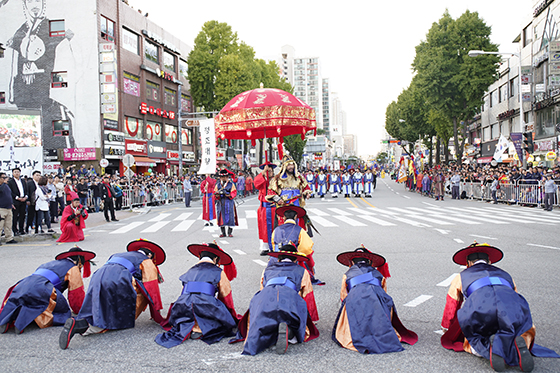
(528, 142)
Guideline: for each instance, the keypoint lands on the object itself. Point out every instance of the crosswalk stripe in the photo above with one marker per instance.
(376, 221)
(250, 214)
(242, 224)
(384, 212)
(421, 217)
(127, 227)
(476, 218)
(418, 300)
(447, 281)
(183, 226)
(160, 217)
(525, 215)
(361, 211)
(183, 216)
(489, 215)
(322, 221)
(155, 227)
(412, 222)
(240, 252)
(340, 212)
(447, 217)
(316, 212)
(350, 221)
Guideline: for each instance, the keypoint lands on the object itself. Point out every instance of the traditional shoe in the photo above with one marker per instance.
(222, 235)
(4, 328)
(12, 241)
(526, 363)
(264, 252)
(282, 342)
(71, 328)
(195, 335)
(496, 361)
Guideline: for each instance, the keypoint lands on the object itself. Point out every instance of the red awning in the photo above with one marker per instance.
(176, 163)
(485, 159)
(144, 161)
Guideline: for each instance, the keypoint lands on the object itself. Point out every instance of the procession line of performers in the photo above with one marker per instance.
(484, 315)
(344, 182)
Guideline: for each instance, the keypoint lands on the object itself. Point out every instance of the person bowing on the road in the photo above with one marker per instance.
(224, 193)
(40, 298)
(494, 321)
(367, 321)
(119, 292)
(205, 309)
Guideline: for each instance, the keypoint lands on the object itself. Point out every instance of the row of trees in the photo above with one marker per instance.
(448, 86)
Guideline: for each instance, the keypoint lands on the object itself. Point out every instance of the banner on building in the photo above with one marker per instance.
(28, 159)
(208, 144)
(517, 139)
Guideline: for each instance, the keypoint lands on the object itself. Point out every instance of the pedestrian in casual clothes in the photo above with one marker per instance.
(455, 182)
(52, 199)
(19, 199)
(187, 190)
(118, 196)
(59, 197)
(42, 197)
(6, 207)
(32, 187)
(549, 191)
(82, 189)
(107, 195)
(494, 189)
(95, 188)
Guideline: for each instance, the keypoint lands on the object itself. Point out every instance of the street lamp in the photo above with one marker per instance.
(476, 53)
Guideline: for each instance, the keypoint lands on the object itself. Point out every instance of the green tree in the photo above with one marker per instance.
(234, 77)
(381, 157)
(453, 83)
(295, 145)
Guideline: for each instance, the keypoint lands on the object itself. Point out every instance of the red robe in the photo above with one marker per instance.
(261, 184)
(70, 231)
(207, 190)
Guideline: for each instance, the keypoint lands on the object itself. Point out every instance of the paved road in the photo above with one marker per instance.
(417, 235)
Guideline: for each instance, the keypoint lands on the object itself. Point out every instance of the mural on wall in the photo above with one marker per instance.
(51, 64)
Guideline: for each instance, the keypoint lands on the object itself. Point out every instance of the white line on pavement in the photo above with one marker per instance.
(442, 231)
(458, 240)
(324, 222)
(260, 262)
(350, 221)
(397, 193)
(250, 214)
(485, 237)
(215, 235)
(546, 247)
(316, 212)
(155, 227)
(224, 242)
(430, 204)
(407, 197)
(339, 211)
(383, 223)
(418, 300)
(159, 217)
(183, 216)
(447, 281)
(240, 252)
(242, 223)
(183, 226)
(360, 211)
(412, 222)
(440, 332)
(128, 227)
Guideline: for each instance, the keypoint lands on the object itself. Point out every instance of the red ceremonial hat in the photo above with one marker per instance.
(159, 253)
(300, 211)
(494, 254)
(289, 250)
(76, 251)
(225, 259)
(74, 196)
(269, 164)
(346, 258)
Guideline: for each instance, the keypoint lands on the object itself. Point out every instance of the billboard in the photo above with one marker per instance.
(23, 126)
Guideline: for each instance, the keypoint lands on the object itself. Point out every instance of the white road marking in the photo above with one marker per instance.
(376, 221)
(546, 247)
(322, 221)
(317, 212)
(447, 281)
(377, 209)
(199, 217)
(260, 262)
(215, 235)
(458, 240)
(183, 216)
(160, 217)
(242, 224)
(407, 197)
(492, 216)
(440, 332)
(485, 237)
(412, 222)
(224, 242)
(183, 226)
(250, 214)
(431, 204)
(155, 227)
(418, 300)
(240, 252)
(397, 193)
(442, 231)
(360, 211)
(350, 221)
(339, 211)
(128, 227)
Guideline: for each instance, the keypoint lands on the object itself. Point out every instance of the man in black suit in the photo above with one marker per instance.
(107, 195)
(31, 188)
(19, 199)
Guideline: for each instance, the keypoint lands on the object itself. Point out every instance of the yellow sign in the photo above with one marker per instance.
(550, 156)
(530, 158)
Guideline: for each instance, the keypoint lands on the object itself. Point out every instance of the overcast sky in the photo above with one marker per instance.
(365, 47)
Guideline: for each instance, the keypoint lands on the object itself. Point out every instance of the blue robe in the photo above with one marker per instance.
(310, 178)
(226, 213)
(334, 181)
(321, 184)
(368, 183)
(368, 310)
(492, 310)
(213, 317)
(357, 181)
(110, 301)
(346, 184)
(276, 304)
(31, 296)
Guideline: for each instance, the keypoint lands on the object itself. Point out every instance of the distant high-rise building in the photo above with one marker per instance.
(326, 107)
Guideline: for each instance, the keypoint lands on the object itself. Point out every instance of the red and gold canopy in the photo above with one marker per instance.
(264, 113)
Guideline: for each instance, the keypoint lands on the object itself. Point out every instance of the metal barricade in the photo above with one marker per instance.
(530, 194)
(507, 193)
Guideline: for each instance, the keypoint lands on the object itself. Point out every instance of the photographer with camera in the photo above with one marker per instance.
(72, 222)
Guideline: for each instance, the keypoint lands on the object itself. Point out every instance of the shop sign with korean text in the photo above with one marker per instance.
(79, 154)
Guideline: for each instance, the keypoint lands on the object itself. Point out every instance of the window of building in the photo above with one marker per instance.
(486, 134)
(61, 128)
(134, 127)
(107, 29)
(56, 28)
(170, 97)
(2, 97)
(183, 69)
(526, 37)
(512, 88)
(187, 136)
(59, 79)
(154, 131)
(185, 103)
(493, 131)
(152, 91)
(130, 41)
(168, 61)
(170, 134)
(131, 84)
(151, 51)
(503, 93)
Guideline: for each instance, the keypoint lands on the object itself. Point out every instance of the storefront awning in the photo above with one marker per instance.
(484, 160)
(144, 161)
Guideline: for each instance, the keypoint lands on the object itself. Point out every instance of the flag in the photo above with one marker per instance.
(501, 147)
(10, 145)
(402, 174)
